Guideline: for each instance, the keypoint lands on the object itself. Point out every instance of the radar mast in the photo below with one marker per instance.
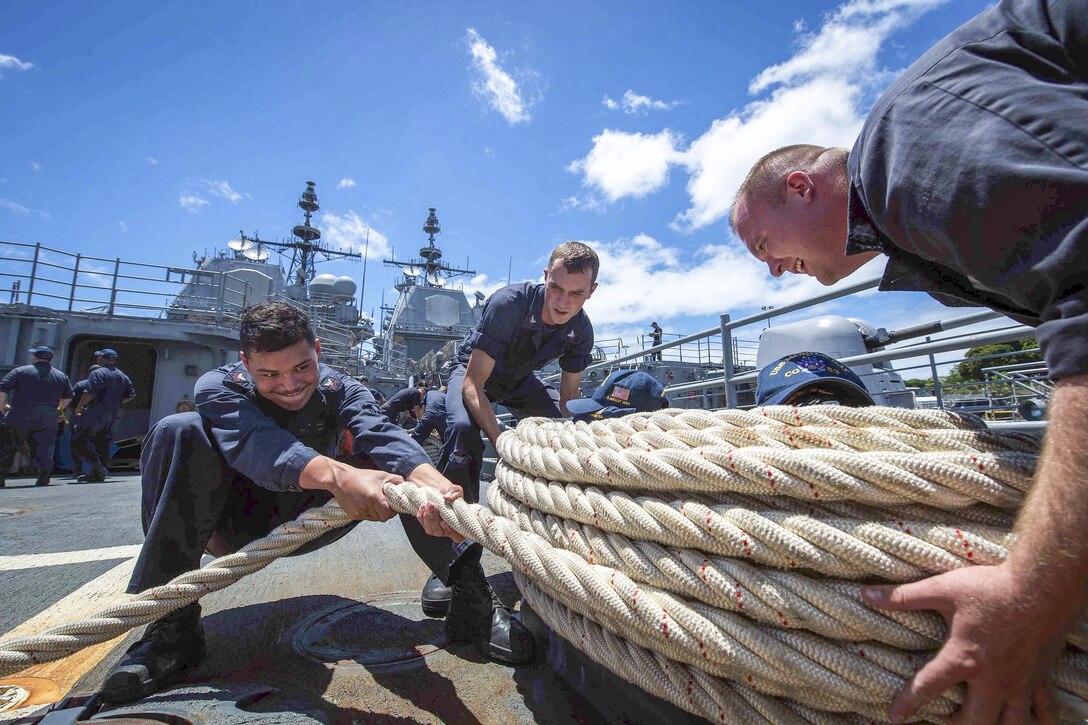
(428, 269)
(304, 246)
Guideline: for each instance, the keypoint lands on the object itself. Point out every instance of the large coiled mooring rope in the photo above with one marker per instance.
(714, 558)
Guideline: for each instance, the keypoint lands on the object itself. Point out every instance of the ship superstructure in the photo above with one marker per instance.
(428, 315)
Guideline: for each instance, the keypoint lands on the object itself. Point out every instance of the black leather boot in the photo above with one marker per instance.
(171, 645)
(477, 615)
(435, 597)
(43, 478)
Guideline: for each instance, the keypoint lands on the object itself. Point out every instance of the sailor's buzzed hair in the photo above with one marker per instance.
(576, 257)
(766, 179)
(273, 326)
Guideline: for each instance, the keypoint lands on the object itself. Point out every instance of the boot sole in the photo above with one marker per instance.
(122, 687)
(436, 609)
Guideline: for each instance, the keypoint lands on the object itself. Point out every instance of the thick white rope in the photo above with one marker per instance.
(21, 652)
(952, 471)
(842, 541)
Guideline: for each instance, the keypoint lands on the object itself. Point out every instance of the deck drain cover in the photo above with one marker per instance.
(388, 631)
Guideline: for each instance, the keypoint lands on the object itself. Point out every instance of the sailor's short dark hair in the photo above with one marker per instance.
(576, 257)
(273, 326)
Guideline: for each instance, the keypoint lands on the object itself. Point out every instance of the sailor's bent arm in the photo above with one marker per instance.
(480, 365)
(388, 445)
(84, 401)
(569, 389)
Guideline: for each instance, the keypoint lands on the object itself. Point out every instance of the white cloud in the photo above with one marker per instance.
(123, 225)
(192, 203)
(151, 160)
(346, 183)
(13, 207)
(643, 279)
(489, 152)
(10, 62)
(633, 103)
(627, 164)
(588, 202)
(486, 285)
(493, 83)
(819, 95)
(35, 166)
(222, 189)
(350, 231)
(21, 210)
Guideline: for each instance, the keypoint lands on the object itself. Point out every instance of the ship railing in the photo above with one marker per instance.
(728, 374)
(448, 331)
(70, 282)
(701, 351)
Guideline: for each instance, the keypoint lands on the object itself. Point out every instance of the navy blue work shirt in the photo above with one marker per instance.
(270, 445)
(434, 417)
(401, 401)
(78, 391)
(971, 173)
(37, 385)
(511, 331)
(110, 387)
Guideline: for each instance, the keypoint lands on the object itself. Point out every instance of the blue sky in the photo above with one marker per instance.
(150, 130)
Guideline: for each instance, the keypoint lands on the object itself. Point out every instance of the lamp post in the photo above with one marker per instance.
(767, 308)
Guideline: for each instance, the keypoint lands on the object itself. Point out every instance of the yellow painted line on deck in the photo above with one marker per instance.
(99, 593)
(60, 558)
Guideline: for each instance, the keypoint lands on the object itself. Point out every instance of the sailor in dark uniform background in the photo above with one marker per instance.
(408, 400)
(524, 326)
(97, 411)
(31, 396)
(433, 418)
(256, 454)
(78, 437)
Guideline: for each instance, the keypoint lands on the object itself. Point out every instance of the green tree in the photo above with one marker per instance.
(1007, 353)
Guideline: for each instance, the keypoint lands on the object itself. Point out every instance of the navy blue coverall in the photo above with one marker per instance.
(434, 417)
(34, 391)
(510, 331)
(232, 469)
(401, 402)
(971, 173)
(78, 432)
(110, 387)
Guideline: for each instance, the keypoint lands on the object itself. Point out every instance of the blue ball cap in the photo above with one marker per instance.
(805, 372)
(45, 353)
(623, 392)
(108, 353)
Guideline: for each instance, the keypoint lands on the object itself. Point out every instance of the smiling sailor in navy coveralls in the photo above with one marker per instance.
(524, 326)
(256, 454)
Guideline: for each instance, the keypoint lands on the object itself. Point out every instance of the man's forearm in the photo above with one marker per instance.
(320, 473)
(84, 402)
(479, 407)
(1051, 548)
(569, 389)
